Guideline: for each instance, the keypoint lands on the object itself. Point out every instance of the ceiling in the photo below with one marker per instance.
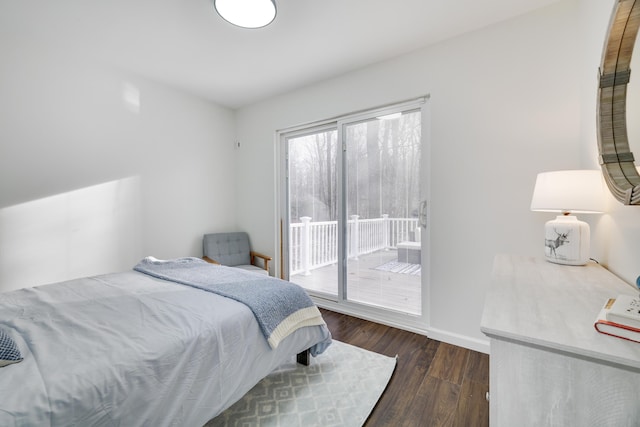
(184, 43)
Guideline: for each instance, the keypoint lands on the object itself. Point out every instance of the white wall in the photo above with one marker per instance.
(504, 106)
(87, 184)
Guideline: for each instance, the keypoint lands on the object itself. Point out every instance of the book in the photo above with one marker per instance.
(608, 327)
(625, 310)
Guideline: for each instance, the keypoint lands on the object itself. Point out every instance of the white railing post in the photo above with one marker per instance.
(305, 245)
(354, 236)
(385, 231)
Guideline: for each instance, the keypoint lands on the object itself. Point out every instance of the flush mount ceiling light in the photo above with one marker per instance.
(246, 13)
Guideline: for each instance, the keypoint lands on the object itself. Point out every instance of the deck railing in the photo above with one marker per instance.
(315, 244)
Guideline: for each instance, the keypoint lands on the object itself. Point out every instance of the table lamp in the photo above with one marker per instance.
(567, 239)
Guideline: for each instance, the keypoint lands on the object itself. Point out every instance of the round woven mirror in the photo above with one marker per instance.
(616, 158)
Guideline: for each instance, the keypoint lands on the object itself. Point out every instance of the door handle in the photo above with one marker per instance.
(422, 214)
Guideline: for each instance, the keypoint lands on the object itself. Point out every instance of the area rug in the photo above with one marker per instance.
(339, 388)
(400, 267)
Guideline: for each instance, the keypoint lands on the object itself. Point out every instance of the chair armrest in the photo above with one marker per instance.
(266, 259)
(209, 260)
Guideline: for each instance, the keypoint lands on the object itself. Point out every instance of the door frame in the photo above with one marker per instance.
(419, 324)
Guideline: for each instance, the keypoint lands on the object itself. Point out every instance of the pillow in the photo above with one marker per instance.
(9, 352)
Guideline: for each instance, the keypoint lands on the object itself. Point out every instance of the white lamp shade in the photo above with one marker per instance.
(246, 13)
(575, 191)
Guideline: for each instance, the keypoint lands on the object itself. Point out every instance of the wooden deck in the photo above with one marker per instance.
(365, 284)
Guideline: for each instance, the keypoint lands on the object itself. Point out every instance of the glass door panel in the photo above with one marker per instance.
(313, 215)
(382, 200)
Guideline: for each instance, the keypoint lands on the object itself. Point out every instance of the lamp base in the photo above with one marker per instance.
(566, 240)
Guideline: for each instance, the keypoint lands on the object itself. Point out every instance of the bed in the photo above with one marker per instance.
(137, 349)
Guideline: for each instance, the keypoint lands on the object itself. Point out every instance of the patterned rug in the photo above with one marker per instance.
(400, 267)
(339, 388)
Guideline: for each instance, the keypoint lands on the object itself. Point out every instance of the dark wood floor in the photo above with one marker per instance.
(434, 384)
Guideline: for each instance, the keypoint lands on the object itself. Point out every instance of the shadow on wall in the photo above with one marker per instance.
(84, 232)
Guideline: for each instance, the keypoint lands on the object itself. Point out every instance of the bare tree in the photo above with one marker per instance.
(382, 174)
(373, 181)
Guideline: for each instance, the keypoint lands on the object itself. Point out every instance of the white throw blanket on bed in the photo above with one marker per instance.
(280, 307)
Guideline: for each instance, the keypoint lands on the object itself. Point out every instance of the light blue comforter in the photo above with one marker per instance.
(129, 349)
(280, 307)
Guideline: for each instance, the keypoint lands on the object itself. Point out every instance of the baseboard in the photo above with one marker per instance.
(470, 343)
(475, 344)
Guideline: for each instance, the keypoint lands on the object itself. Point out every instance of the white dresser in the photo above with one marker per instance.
(548, 364)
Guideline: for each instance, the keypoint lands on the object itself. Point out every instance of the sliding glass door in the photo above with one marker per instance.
(354, 210)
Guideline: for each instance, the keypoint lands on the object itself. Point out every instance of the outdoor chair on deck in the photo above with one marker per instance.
(233, 250)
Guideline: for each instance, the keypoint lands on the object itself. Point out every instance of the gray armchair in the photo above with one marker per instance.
(233, 250)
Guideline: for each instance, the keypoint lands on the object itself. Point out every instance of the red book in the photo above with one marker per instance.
(615, 329)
